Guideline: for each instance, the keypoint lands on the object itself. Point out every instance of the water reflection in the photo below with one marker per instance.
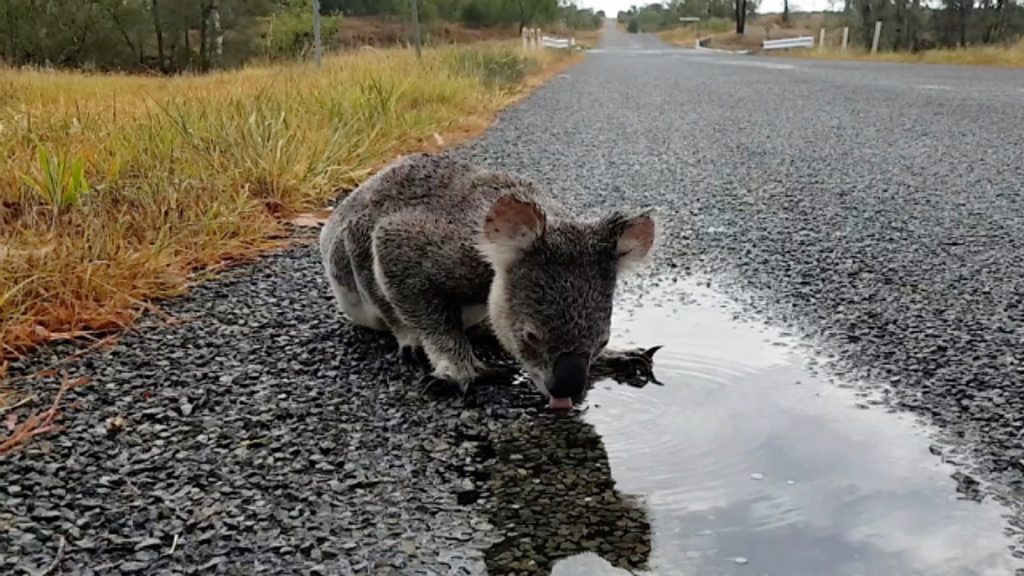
(748, 464)
(554, 498)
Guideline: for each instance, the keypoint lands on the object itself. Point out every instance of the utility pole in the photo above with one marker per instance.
(416, 24)
(317, 47)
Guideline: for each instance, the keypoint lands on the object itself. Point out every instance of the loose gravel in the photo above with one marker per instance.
(259, 433)
(262, 434)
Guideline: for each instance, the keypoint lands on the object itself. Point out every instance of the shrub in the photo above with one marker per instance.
(498, 67)
(291, 33)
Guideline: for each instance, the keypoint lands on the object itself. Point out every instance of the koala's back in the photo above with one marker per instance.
(420, 182)
(434, 200)
(437, 185)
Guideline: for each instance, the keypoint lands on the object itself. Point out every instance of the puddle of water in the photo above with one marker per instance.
(747, 463)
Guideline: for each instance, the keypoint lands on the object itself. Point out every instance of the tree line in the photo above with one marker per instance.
(907, 25)
(913, 25)
(478, 13)
(170, 36)
(158, 35)
(662, 16)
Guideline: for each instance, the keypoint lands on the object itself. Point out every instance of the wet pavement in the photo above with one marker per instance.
(749, 461)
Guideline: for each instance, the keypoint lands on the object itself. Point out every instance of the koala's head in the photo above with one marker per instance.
(554, 281)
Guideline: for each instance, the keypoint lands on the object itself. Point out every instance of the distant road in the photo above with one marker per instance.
(992, 84)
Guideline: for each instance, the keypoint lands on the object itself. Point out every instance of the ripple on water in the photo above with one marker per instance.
(842, 491)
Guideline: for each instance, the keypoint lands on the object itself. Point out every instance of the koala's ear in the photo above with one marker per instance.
(634, 237)
(511, 227)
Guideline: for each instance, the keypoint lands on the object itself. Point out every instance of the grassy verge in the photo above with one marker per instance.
(1011, 56)
(588, 39)
(686, 36)
(115, 190)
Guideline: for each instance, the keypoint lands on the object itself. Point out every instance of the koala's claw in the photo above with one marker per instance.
(440, 386)
(497, 375)
(413, 355)
(448, 387)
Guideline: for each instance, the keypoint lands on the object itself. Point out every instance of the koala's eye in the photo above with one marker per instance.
(603, 344)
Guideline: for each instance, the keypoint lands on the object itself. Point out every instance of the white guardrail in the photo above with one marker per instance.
(799, 42)
(533, 39)
(549, 42)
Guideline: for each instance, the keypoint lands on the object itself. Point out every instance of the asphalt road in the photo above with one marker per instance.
(875, 207)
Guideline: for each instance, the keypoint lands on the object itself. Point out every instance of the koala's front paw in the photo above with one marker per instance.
(448, 387)
(413, 355)
(634, 367)
(445, 386)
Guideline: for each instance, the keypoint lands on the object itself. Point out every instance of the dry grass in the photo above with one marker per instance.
(115, 189)
(810, 24)
(1011, 56)
(686, 35)
(379, 32)
(373, 31)
(720, 31)
(21, 432)
(587, 38)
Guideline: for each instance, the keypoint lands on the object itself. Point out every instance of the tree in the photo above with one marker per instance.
(529, 12)
(125, 34)
(963, 12)
(740, 15)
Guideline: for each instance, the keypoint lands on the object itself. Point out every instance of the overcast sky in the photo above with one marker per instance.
(612, 7)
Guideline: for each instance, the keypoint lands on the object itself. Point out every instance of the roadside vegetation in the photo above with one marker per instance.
(687, 35)
(135, 155)
(987, 33)
(113, 189)
(663, 16)
(1008, 56)
(169, 37)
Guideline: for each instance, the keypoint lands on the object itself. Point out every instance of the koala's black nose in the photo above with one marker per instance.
(570, 376)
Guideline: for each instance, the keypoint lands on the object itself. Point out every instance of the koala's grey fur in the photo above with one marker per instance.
(408, 252)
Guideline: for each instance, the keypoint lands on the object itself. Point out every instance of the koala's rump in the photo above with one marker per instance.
(430, 210)
(429, 207)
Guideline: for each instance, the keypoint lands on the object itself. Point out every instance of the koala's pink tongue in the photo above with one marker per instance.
(561, 403)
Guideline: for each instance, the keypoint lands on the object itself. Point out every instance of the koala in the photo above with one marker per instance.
(431, 246)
